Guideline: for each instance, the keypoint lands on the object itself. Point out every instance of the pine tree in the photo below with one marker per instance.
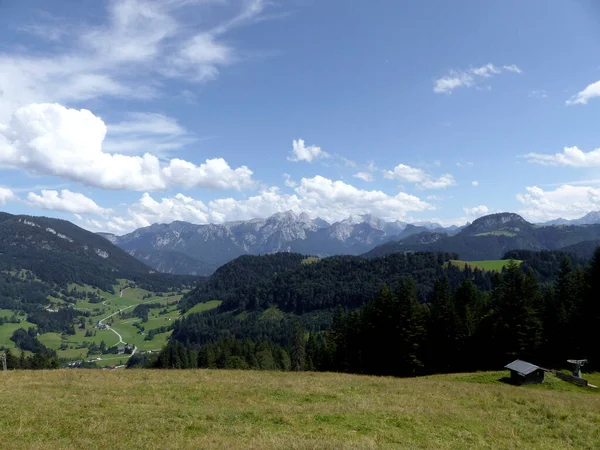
(379, 330)
(298, 347)
(561, 315)
(443, 328)
(589, 318)
(517, 325)
(470, 307)
(411, 330)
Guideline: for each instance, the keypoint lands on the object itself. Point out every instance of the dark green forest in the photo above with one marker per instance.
(434, 320)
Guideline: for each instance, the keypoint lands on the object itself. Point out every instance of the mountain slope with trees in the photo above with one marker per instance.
(490, 237)
(411, 327)
(58, 252)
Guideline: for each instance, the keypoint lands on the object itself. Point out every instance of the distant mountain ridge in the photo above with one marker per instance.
(490, 237)
(185, 248)
(59, 253)
(591, 218)
(203, 248)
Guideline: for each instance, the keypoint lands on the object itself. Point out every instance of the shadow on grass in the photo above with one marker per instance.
(507, 380)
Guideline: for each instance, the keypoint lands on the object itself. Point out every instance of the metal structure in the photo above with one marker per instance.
(3, 358)
(577, 365)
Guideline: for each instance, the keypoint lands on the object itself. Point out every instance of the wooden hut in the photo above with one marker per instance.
(522, 372)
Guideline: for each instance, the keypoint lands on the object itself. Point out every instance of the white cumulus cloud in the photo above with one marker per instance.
(566, 201)
(365, 176)
(476, 211)
(444, 181)
(475, 183)
(571, 157)
(470, 77)
(300, 152)
(66, 201)
(289, 182)
(423, 180)
(317, 196)
(50, 139)
(6, 195)
(584, 96)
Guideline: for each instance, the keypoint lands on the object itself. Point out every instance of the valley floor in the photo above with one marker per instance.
(262, 410)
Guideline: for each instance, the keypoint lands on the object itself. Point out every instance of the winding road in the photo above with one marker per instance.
(121, 341)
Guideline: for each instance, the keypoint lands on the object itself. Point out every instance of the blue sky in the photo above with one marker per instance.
(119, 114)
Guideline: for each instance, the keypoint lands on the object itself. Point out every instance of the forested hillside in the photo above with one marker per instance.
(59, 252)
(54, 277)
(263, 296)
(298, 284)
(347, 314)
(490, 237)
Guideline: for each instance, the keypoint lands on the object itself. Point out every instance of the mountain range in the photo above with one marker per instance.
(59, 252)
(492, 236)
(591, 218)
(185, 248)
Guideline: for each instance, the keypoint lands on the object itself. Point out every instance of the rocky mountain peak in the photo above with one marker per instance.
(500, 222)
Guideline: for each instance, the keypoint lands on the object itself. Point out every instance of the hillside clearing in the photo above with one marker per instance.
(262, 410)
(496, 265)
(202, 307)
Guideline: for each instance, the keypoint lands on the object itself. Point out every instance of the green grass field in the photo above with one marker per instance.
(7, 330)
(498, 233)
(490, 265)
(113, 303)
(201, 307)
(266, 410)
(7, 313)
(131, 296)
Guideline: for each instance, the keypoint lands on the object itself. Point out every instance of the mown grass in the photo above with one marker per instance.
(496, 265)
(264, 410)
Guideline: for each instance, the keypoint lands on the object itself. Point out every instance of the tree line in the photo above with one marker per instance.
(457, 328)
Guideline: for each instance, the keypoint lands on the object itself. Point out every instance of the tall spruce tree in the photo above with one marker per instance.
(589, 318)
(411, 330)
(379, 329)
(561, 316)
(443, 329)
(470, 307)
(516, 322)
(298, 347)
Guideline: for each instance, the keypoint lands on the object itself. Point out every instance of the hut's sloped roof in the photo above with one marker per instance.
(522, 367)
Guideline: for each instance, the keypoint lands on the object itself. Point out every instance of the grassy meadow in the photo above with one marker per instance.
(124, 299)
(264, 410)
(495, 265)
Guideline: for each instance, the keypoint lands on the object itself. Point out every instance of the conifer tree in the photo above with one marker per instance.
(298, 347)
(589, 318)
(443, 328)
(411, 330)
(517, 325)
